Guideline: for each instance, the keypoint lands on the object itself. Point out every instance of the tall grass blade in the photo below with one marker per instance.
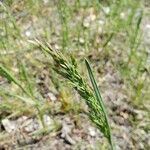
(99, 99)
(9, 76)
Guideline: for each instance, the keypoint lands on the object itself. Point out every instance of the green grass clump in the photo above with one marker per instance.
(68, 69)
(29, 98)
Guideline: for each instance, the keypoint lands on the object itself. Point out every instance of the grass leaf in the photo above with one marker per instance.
(99, 99)
(9, 76)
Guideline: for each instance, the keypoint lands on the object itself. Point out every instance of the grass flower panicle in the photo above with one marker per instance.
(68, 69)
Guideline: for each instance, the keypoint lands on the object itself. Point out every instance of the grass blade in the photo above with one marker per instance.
(99, 99)
(9, 76)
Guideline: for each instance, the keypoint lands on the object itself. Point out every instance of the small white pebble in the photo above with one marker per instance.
(101, 22)
(92, 131)
(81, 40)
(106, 10)
(86, 23)
(28, 33)
(45, 1)
(48, 121)
(8, 125)
(147, 26)
(92, 17)
(122, 15)
(56, 47)
(52, 96)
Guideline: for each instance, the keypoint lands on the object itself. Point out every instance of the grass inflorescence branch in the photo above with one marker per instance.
(68, 69)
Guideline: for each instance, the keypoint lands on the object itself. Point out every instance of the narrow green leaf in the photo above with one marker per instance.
(4, 72)
(99, 99)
